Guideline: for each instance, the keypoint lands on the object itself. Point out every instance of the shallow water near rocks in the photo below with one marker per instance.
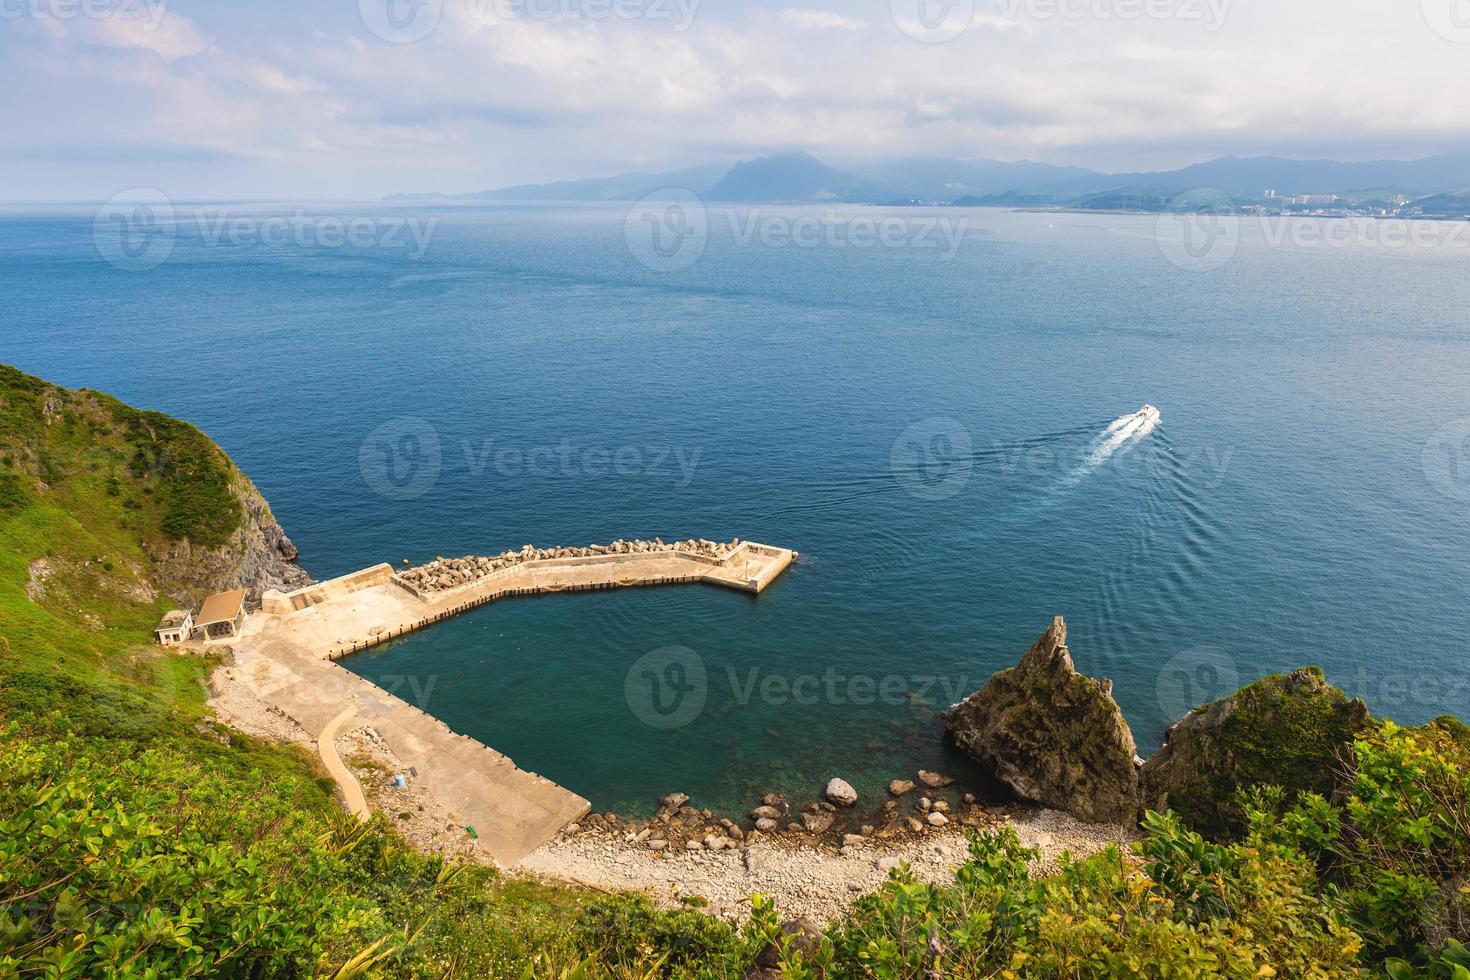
(925, 432)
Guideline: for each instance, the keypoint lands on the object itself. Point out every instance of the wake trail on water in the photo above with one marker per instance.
(901, 480)
(1121, 432)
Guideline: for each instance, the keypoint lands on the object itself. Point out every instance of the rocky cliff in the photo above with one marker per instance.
(257, 556)
(1292, 731)
(1053, 735)
(115, 501)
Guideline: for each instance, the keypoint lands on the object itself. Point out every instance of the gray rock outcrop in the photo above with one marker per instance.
(1052, 735)
(257, 557)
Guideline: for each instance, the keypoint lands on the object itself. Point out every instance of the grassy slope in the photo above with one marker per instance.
(91, 492)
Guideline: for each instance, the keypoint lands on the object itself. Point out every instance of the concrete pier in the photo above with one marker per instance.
(287, 653)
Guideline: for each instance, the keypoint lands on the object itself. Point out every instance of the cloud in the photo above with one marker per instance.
(810, 20)
(313, 103)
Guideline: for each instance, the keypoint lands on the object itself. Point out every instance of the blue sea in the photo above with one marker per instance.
(924, 415)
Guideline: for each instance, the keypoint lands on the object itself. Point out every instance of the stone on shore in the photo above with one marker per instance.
(840, 792)
(817, 823)
(1054, 736)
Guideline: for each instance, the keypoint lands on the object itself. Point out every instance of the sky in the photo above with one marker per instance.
(353, 99)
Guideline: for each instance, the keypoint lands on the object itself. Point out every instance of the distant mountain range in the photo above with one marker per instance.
(802, 178)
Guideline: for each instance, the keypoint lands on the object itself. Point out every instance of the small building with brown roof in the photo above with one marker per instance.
(222, 616)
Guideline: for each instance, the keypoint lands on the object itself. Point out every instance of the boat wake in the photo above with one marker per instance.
(1121, 432)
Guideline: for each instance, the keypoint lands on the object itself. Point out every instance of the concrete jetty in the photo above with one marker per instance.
(287, 655)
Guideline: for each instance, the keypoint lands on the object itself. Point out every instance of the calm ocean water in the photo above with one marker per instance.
(928, 429)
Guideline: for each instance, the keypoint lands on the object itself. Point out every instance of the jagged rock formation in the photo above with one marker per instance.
(451, 573)
(1053, 735)
(1292, 731)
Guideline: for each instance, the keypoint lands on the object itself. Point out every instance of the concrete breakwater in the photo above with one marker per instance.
(450, 587)
(286, 651)
(449, 573)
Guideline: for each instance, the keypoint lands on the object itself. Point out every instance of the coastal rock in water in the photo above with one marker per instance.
(839, 791)
(934, 780)
(898, 787)
(1052, 735)
(1291, 731)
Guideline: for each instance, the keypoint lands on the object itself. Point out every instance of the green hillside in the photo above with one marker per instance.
(138, 837)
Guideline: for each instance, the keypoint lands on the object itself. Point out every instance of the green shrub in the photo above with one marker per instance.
(627, 929)
(1190, 909)
(13, 495)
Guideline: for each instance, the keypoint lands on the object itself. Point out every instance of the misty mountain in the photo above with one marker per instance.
(623, 187)
(1454, 204)
(1251, 176)
(793, 178)
(802, 178)
(942, 179)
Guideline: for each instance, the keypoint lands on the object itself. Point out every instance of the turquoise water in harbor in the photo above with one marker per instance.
(928, 431)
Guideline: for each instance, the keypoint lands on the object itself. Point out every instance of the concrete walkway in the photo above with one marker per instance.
(326, 748)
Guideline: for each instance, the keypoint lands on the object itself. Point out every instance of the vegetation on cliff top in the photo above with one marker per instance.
(171, 481)
(140, 838)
